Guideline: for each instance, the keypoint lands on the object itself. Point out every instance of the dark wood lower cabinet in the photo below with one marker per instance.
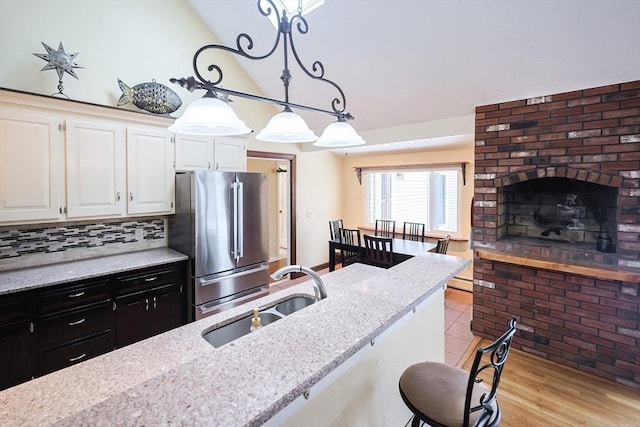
(15, 353)
(144, 314)
(48, 329)
(74, 353)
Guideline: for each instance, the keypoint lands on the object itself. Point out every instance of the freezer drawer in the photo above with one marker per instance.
(209, 309)
(210, 288)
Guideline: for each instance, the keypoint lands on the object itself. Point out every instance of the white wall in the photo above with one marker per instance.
(320, 182)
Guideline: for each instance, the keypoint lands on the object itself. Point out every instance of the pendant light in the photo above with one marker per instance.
(287, 127)
(212, 116)
(339, 134)
(209, 115)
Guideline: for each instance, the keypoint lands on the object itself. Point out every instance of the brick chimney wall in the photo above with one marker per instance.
(592, 135)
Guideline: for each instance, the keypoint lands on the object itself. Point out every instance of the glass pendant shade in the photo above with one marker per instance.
(339, 134)
(287, 127)
(209, 116)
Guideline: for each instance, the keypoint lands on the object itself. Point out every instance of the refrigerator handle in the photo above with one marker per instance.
(234, 221)
(240, 229)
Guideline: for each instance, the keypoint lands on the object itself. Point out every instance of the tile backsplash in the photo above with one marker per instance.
(27, 246)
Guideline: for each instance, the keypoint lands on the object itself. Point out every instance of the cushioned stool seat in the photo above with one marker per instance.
(444, 398)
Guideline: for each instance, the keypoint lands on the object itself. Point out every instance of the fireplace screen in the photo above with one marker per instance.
(560, 210)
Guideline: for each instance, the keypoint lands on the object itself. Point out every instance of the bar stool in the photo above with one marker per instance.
(446, 396)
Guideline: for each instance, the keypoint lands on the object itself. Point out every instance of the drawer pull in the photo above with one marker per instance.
(154, 302)
(75, 359)
(77, 322)
(151, 279)
(79, 294)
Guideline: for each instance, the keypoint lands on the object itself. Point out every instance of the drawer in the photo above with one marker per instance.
(56, 330)
(72, 296)
(150, 278)
(72, 354)
(14, 307)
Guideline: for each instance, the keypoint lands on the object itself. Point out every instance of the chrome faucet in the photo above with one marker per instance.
(319, 288)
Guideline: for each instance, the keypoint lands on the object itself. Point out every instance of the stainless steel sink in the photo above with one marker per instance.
(294, 304)
(227, 333)
(224, 334)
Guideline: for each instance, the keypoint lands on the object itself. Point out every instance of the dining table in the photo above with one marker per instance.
(402, 250)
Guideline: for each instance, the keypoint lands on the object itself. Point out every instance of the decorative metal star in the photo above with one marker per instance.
(59, 60)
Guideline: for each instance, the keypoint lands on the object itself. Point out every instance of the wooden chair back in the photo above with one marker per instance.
(385, 228)
(350, 237)
(413, 231)
(334, 227)
(379, 251)
(442, 245)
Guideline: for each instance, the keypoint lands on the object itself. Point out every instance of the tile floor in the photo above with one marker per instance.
(457, 323)
(457, 319)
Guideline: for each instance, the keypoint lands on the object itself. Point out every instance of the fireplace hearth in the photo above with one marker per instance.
(556, 227)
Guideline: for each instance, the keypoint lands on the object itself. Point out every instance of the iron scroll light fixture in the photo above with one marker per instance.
(211, 115)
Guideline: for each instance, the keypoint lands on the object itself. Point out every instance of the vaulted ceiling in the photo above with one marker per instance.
(402, 62)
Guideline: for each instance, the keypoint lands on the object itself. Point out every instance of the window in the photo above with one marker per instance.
(430, 195)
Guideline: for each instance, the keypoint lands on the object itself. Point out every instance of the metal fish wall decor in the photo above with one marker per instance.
(153, 97)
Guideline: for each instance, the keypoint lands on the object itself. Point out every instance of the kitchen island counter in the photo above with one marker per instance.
(178, 378)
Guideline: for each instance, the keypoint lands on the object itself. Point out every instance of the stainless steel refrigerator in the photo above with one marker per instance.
(221, 222)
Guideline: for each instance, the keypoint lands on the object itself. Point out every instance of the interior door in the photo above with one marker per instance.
(283, 207)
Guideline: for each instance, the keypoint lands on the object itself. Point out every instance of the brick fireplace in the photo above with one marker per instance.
(557, 227)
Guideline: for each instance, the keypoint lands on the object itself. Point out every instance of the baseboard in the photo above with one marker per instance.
(461, 284)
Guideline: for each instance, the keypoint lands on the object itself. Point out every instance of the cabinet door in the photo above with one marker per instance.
(150, 173)
(230, 155)
(95, 169)
(16, 332)
(131, 315)
(30, 166)
(16, 354)
(194, 152)
(164, 309)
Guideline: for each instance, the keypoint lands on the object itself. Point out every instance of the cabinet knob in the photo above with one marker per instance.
(155, 303)
(118, 196)
(146, 301)
(131, 196)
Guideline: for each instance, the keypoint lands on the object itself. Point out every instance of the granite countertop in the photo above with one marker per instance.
(35, 277)
(178, 378)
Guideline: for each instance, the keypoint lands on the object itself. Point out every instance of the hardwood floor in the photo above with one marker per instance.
(538, 392)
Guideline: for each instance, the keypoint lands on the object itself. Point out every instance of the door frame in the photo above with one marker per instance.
(292, 193)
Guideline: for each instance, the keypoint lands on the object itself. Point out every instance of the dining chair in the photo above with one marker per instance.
(378, 251)
(442, 245)
(444, 395)
(334, 227)
(413, 231)
(350, 237)
(385, 228)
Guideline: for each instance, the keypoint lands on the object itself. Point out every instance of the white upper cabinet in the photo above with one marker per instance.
(209, 153)
(96, 169)
(194, 153)
(230, 154)
(62, 160)
(150, 174)
(31, 168)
